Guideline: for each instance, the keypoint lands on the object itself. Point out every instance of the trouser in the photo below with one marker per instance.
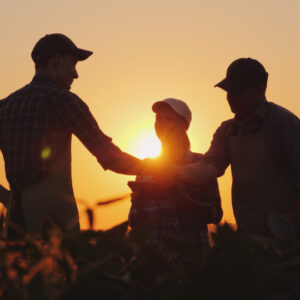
(16, 225)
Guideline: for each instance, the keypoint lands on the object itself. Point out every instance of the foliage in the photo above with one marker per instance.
(115, 264)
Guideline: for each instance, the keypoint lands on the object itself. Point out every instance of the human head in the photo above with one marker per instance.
(245, 84)
(56, 55)
(173, 119)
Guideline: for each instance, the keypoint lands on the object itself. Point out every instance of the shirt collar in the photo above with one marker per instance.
(259, 113)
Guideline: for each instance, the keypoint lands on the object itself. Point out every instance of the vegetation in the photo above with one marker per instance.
(115, 264)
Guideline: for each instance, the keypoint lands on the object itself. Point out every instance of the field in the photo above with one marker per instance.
(115, 264)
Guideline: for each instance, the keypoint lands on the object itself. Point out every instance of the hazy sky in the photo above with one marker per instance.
(145, 51)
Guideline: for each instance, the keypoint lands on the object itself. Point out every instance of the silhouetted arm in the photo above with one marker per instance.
(75, 116)
(214, 162)
(122, 162)
(198, 172)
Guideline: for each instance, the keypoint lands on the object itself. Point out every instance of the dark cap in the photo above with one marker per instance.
(56, 43)
(243, 73)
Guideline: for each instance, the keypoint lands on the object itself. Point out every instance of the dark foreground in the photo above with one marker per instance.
(115, 265)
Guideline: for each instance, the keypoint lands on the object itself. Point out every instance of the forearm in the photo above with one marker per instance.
(199, 173)
(126, 164)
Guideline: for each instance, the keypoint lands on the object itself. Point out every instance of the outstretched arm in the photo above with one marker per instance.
(199, 172)
(75, 115)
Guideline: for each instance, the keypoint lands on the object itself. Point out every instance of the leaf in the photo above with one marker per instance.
(112, 200)
(49, 228)
(118, 232)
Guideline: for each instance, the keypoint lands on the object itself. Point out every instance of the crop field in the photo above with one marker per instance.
(116, 264)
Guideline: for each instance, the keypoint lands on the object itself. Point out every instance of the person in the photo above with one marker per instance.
(36, 125)
(4, 196)
(262, 145)
(181, 211)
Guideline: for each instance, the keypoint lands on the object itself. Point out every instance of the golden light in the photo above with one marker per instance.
(141, 141)
(147, 146)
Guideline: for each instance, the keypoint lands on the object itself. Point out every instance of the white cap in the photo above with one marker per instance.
(179, 106)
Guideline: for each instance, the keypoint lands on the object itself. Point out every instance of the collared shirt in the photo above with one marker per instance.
(173, 221)
(36, 124)
(281, 130)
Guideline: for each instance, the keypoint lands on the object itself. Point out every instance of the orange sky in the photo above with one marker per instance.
(145, 51)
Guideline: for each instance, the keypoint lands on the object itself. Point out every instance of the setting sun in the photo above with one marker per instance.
(147, 146)
(142, 141)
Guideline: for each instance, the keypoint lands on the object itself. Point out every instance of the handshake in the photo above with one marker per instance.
(161, 171)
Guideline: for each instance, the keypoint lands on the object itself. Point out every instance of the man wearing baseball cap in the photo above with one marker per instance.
(262, 145)
(181, 210)
(36, 126)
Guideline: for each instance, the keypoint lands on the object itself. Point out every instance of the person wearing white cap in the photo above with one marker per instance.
(181, 211)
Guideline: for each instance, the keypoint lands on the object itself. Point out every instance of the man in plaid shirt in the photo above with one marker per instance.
(36, 125)
(179, 210)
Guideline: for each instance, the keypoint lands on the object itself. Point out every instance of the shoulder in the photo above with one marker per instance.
(227, 124)
(278, 109)
(16, 93)
(281, 117)
(68, 98)
(224, 130)
(280, 112)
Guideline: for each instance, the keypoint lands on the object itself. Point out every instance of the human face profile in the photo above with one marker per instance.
(66, 70)
(168, 124)
(245, 102)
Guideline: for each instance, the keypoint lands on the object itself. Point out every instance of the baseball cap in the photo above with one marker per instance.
(56, 43)
(243, 73)
(179, 106)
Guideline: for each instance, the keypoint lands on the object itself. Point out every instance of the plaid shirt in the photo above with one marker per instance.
(174, 221)
(36, 124)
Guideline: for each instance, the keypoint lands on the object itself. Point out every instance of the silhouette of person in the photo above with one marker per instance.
(181, 211)
(36, 125)
(262, 145)
(4, 196)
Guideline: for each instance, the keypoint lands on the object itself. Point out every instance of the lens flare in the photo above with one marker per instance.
(46, 153)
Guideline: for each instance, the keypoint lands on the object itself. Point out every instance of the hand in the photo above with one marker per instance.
(161, 170)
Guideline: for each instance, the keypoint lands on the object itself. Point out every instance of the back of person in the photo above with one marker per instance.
(31, 133)
(36, 125)
(37, 154)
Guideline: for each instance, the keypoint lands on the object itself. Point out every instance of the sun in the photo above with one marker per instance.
(147, 146)
(142, 142)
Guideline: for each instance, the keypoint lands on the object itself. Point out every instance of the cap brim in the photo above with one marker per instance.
(224, 84)
(82, 54)
(158, 105)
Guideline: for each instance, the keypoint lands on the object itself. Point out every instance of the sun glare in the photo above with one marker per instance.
(142, 142)
(148, 146)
